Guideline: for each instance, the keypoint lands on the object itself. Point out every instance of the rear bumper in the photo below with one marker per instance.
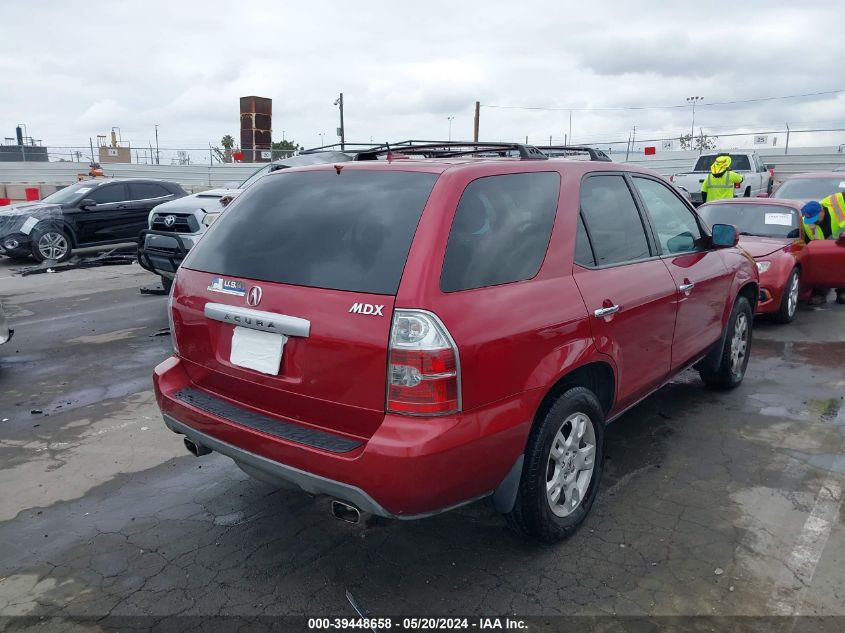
(410, 468)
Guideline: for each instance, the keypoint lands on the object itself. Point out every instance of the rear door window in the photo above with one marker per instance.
(346, 231)
(612, 220)
(146, 191)
(500, 231)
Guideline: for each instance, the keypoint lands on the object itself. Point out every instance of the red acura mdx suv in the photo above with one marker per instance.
(411, 334)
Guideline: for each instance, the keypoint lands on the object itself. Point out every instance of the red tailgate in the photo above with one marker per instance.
(332, 378)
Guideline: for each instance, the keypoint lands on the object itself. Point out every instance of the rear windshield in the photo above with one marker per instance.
(739, 162)
(347, 231)
(810, 188)
(768, 220)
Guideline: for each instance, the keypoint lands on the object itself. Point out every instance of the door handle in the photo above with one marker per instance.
(686, 287)
(603, 312)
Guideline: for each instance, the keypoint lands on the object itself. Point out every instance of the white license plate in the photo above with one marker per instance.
(256, 350)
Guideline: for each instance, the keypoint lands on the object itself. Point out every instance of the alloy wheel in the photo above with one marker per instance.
(52, 245)
(570, 466)
(739, 344)
(792, 299)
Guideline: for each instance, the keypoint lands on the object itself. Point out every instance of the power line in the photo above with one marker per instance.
(665, 107)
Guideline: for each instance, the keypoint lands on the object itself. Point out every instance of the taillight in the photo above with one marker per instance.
(423, 373)
(170, 320)
(736, 185)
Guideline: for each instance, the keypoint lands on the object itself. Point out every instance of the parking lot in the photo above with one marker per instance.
(712, 503)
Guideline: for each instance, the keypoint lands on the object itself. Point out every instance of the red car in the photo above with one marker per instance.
(408, 335)
(770, 230)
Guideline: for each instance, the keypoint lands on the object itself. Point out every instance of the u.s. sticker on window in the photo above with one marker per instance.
(782, 219)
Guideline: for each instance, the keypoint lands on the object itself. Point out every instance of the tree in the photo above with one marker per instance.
(700, 142)
(282, 149)
(225, 155)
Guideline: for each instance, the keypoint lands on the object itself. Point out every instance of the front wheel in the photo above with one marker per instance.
(51, 244)
(789, 301)
(562, 468)
(734, 359)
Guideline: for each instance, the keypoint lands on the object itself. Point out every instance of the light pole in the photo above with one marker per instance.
(692, 101)
(450, 119)
(322, 136)
(339, 102)
(157, 155)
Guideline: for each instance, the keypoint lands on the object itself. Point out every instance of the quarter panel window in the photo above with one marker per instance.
(676, 227)
(612, 220)
(583, 251)
(501, 230)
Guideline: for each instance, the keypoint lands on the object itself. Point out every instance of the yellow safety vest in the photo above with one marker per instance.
(834, 205)
(720, 187)
(813, 231)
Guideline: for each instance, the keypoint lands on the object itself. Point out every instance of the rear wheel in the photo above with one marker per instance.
(51, 244)
(562, 469)
(747, 193)
(734, 359)
(789, 301)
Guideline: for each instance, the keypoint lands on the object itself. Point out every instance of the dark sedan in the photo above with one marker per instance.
(89, 213)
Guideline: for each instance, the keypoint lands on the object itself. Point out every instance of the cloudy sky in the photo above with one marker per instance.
(72, 70)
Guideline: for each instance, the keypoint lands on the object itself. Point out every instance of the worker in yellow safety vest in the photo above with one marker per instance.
(824, 220)
(721, 181)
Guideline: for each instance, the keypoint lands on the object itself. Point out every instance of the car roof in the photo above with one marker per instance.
(477, 166)
(99, 182)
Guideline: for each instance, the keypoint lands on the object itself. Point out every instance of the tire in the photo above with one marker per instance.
(789, 301)
(770, 187)
(535, 514)
(166, 283)
(734, 359)
(52, 243)
(747, 193)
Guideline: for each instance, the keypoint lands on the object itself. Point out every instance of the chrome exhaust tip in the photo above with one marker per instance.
(345, 512)
(197, 450)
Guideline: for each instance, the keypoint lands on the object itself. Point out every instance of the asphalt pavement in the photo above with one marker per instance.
(713, 503)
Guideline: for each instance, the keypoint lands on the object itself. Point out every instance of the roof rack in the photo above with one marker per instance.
(451, 149)
(568, 150)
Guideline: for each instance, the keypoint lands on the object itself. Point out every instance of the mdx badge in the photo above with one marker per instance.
(254, 296)
(367, 308)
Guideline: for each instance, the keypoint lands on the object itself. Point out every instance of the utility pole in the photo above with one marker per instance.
(633, 138)
(450, 118)
(569, 138)
(693, 101)
(157, 154)
(786, 149)
(342, 132)
(477, 121)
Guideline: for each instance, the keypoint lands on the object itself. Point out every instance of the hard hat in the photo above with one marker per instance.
(811, 212)
(720, 164)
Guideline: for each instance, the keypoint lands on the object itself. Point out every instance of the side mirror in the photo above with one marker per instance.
(762, 194)
(725, 236)
(86, 203)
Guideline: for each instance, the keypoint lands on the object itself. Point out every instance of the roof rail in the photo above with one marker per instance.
(568, 150)
(450, 149)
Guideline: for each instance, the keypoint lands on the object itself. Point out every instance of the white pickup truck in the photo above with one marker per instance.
(758, 176)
